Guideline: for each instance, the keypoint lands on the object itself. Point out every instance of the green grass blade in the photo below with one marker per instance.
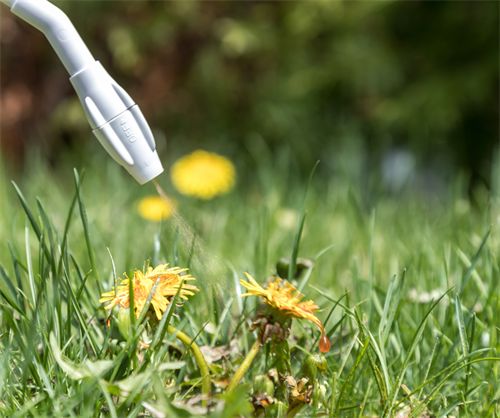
(17, 273)
(311, 268)
(48, 227)
(469, 393)
(82, 279)
(221, 321)
(379, 379)
(328, 318)
(68, 222)
(13, 294)
(300, 226)
(418, 410)
(78, 310)
(474, 262)
(384, 326)
(371, 278)
(443, 371)
(471, 344)
(11, 304)
(145, 309)
(161, 330)
(26, 208)
(380, 355)
(394, 306)
(461, 326)
(409, 354)
(356, 364)
(29, 263)
(82, 285)
(115, 278)
(83, 215)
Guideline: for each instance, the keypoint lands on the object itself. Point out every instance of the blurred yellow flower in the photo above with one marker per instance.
(154, 208)
(203, 174)
(287, 299)
(143, 283)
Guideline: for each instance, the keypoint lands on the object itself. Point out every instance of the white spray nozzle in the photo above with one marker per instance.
(116, 120)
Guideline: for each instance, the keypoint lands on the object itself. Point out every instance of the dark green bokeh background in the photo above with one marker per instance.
(375, 89)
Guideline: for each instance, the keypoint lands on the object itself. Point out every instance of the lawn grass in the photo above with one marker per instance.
(409, 283)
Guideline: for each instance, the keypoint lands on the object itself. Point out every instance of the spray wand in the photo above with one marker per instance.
(115, 118)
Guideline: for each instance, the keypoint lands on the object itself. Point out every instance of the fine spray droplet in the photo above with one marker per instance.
(324, 344)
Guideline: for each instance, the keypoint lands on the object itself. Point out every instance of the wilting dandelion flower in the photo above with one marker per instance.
(143, 282)
(203, 174)
(153, 208)
(286, 299)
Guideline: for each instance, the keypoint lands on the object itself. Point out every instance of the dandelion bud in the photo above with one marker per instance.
(263, 385)
(322, 394)
(301, 265)
(120, 323)
(277, 410)
(313, 363)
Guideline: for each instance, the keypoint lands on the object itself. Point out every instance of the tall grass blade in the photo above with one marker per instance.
(454, 405)
(115, 277)
(356, 364)
(474, 262)
(5, 279)
(79, 314)
(371, 278)
(311, 268)
(298, 232)
(471, 344)
(12, 303)
(423, 404)
(29, 263)
(379, 380)
(152, 292)
(82, 285)
(161, 330)
(409, 354)
(15, 264)
(461, 326)
(385, 323)
(26, 208)
(48, 227)
(221, 321)
(83, 216)
(68, 222)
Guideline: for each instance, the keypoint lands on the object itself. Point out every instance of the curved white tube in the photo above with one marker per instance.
(9, 3)
(116, 120)
(58, 29)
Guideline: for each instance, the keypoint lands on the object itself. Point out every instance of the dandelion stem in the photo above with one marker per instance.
(202, 364)
(244, 366)
(294, 409)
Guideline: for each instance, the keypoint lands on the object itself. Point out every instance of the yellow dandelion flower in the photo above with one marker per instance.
(287, 299)
(203, 174)
(143, 283)
(154, 208)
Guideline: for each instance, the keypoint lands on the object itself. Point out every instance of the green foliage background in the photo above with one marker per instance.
(328, 79)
